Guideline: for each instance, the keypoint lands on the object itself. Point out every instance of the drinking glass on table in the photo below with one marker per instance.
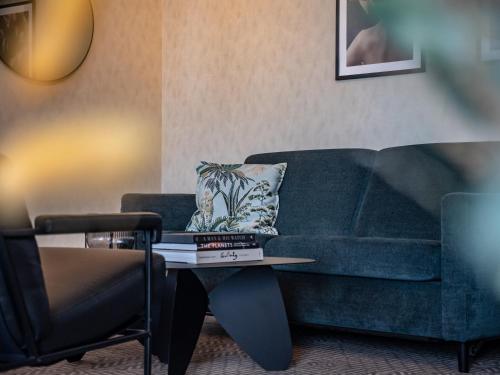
(110, 240)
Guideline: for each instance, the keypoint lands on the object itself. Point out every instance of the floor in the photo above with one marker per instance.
(316, 352)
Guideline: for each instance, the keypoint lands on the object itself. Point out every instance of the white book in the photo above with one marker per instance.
(175, 246)
(216, 256)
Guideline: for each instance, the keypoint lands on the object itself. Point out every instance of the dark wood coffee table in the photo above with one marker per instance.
(248, 305)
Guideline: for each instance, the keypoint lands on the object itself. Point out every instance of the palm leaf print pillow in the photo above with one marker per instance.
(237, 198)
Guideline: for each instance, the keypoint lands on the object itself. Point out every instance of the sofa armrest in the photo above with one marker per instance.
(175, 209)
(470, 262)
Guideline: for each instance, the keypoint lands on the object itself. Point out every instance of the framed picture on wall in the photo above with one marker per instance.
(16, 36)
(364, 48)
(490, 39)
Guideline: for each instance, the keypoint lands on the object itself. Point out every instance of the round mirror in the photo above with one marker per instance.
(45, 40)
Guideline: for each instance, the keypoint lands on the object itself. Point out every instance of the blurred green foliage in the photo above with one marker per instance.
(451, 34)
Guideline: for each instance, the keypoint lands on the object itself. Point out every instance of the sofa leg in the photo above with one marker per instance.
(463, 357)
(75, 358)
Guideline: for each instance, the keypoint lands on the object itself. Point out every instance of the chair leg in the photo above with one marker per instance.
(147, 355)
(463, 357)
(148, 259)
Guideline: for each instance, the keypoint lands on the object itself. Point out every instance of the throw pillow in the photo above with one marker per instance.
(237, 198)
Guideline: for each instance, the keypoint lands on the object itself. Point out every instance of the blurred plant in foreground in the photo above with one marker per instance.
(450, 33)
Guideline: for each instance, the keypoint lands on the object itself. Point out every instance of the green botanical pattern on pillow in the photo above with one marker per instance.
(237, 197)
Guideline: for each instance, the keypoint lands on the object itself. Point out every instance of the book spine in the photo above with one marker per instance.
(229, 256)
(201, 239)
(227, 246)
(206, 238)
(219, 256)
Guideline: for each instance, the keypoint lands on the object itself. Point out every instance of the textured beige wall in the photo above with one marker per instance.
(121, 78)
(249, 76)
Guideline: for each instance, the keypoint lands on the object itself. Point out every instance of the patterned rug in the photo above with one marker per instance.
(316, 352)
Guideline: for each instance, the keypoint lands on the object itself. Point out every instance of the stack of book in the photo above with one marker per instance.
(208, 247)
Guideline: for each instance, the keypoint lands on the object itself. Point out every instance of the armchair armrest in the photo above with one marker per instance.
(470, 264)
(64, 224)
(175, 209)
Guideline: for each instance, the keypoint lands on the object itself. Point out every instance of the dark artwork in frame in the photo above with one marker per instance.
(363, 48)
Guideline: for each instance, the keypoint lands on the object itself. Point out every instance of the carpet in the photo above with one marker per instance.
(316, 352)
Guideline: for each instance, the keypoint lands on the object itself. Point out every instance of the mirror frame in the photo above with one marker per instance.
(66, 76)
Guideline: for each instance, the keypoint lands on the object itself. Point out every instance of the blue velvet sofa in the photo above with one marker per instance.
(388, 230)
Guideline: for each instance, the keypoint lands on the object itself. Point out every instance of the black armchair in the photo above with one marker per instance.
(59, 303)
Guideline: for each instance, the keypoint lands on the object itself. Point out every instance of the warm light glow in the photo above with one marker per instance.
(78, 155)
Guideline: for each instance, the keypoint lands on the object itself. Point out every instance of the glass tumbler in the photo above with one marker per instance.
(110, 240)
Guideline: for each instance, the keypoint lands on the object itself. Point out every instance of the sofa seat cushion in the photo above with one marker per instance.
(383, 258)
(93, 291)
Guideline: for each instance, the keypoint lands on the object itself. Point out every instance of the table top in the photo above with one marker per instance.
(268, 261)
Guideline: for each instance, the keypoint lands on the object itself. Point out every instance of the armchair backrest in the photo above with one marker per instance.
(20, 275)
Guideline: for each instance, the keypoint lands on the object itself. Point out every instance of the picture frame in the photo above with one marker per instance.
(16, 30)
(355, 60)
(490, 36)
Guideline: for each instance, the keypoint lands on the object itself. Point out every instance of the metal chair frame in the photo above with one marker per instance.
(34, 358)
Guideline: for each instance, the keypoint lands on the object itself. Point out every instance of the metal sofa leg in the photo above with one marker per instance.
(75, 358)
(463, 357)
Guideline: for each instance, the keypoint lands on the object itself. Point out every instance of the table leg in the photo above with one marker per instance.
(249, 306)
(185, 303)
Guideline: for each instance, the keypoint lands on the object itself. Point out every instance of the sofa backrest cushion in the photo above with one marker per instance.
(403, 198)
(321, 191)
